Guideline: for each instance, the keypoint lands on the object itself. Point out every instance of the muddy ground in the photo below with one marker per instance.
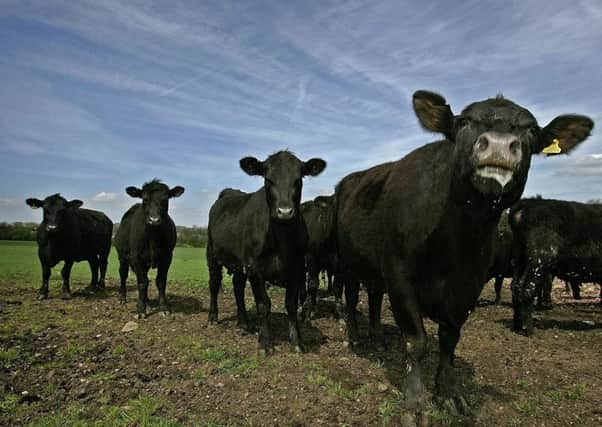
(68, 362)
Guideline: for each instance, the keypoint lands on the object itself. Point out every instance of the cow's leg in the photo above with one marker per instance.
(352, 290)
(337, 290)
(264, 306)
(141, 271)
(239, 280)
(546, 291)
(499, 281)
(43, 291)
(313, 283)
(576, 288)
(215, 283)
(291, 302)
(124, 269)
(93, 262)
(375, 301)
(406, 311)
(523, 297)
(407, 316)
(445, 379)
(161, 282)
(329, 279)
(65, 274)
(103, 260)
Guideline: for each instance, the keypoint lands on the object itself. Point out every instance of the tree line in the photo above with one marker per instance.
(194, 236)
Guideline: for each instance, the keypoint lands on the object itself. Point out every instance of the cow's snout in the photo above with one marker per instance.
(498, 149)
(51, 227)
(285, 213)
(497, 156)
(153, 220)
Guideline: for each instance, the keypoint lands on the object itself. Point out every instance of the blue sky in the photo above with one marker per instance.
(99, 95)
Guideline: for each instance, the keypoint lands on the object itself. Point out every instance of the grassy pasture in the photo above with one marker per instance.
(19, 263)
(68, 362)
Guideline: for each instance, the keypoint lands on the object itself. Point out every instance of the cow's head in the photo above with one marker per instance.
(494, 140)
(155, 200)
(283, 174)
(54, 207)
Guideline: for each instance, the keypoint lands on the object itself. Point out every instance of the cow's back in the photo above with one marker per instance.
(567, 233)
(391, 209)
(96, 230)
(127, 229)
(238, 226)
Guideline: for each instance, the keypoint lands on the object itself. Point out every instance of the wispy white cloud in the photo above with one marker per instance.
(100, 95)
(104, 197)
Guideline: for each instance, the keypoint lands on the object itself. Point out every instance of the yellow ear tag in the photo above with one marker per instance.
(553, 148)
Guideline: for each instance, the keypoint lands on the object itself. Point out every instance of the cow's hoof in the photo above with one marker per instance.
(266, 351)
(122, 300)
(42, 296)
(243, 325)
(299, 348)
(455, 406)
(212, 318)
(65, 295)
(408, 419)
(339, 312)
(165, 313)
(379, 344)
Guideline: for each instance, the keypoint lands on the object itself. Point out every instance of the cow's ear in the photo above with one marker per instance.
(134, 191)
(433, 112)
(563, 134)
(313, 167)
(35, 203)
(177, 191)
(74, 203)
(252, 166)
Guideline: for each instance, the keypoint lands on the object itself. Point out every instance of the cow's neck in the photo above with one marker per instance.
(67, 231)
(282, 235)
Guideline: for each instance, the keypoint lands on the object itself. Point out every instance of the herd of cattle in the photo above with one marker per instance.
(424, 229)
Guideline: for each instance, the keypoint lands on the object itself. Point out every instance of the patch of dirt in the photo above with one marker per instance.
(60, 354)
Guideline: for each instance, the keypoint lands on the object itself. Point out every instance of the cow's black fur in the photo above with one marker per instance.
(318, 215)
(501, 266)
(422, 228)
(554, 238)
(71, 234)
(262, 236)
(145, 239)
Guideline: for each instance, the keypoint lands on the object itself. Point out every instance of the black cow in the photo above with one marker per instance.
(555, 238)
(422, 228)
(318, 215)
(501, 267)
(262, 236)
(68, 233)
(145, 239)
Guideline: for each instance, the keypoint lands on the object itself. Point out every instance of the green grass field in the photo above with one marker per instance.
(19, 263)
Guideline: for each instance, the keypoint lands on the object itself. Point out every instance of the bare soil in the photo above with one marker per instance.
(68, 362)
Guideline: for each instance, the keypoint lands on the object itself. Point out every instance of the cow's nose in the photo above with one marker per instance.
(153, 220)
(498, 149)
(285, 213)
(51, 227)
